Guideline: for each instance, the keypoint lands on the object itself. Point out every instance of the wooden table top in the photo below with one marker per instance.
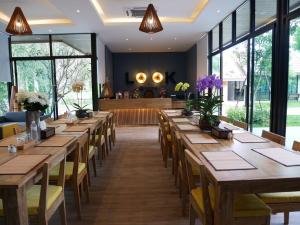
(268, 176)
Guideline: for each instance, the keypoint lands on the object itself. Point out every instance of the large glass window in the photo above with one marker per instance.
(235, 81)
(227, 30)
(3, 98)
(265, 12)
(216, 64)
(262, 82)
(293, 110)
(294, 4)
(216, 38)
(243, 19)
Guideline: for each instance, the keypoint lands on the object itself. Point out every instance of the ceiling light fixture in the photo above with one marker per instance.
(126, 39)
(218, 11)
(18, 24)
(78, 11)
(151, 23)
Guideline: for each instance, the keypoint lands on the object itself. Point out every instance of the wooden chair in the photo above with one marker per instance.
(43, 199)
(166, 141)
(100, 141)
(296, 146)
(224, 118)
(174, 150)
(92, 151)
(273, 137)
(248, 208)
(113, 130)
(240, 124)
(109, 131)
(76, 171)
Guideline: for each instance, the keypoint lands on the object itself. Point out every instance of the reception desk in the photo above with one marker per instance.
(142, 111)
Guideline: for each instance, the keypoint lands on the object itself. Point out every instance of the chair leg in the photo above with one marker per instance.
(94, 165)
(192, 215)
(86, 188)
(184, 197)
(62, 212)
(109, 139)
(286, 218)
(88, 172)
(114, 137)
(77, 200)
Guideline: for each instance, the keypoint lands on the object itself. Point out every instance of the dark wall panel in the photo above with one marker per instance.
(191, 67)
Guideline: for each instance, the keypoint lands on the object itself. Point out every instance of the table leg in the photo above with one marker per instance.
(223, 213)
(15, 206)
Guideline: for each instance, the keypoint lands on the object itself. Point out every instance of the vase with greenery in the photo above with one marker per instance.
(183, 87)
(209, 100)
(34, 103)
(80, 109)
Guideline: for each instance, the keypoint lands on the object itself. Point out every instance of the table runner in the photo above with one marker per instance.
(227, 160)
(247, 137)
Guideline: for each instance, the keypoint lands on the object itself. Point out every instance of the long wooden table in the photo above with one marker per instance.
(13, 187)
(269, 176)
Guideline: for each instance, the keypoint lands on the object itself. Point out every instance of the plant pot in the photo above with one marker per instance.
(204, 125)
(81, 114)
(32, 116)
(186, 112)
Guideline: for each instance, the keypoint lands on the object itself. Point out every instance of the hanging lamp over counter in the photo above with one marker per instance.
(18, 24)
(151, 23)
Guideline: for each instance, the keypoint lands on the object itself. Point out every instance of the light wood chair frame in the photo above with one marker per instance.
(240, 124)
(273, 137)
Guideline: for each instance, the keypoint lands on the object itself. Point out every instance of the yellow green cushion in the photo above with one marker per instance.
(169, 137)
(8, 129)
(246, 205)
(280, 197)
(91, 150)
(33, 198)
(195, 171)
(54, 173)
(102, 139)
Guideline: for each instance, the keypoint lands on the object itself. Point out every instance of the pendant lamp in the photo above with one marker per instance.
(18, 24)
(151, 23)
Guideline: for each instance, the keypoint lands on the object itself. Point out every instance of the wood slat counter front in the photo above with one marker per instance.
(131, 112)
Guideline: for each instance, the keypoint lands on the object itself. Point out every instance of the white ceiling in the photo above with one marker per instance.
(176, 36)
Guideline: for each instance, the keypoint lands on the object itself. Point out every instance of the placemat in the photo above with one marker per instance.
(280, 155)
(248, 138)
(76, 129)
(21, 164)
(201, 139)
(227, 160)
(56, 141)
(188, 127)
(89, 121)
(181, 120)
(12, 140)
(230, 126)
(170, 111)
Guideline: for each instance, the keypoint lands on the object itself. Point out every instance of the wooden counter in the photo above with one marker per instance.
(134, 112)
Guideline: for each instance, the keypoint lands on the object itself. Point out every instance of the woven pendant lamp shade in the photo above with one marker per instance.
(18, 24)
(151, 23)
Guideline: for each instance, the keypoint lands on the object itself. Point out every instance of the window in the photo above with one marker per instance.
(30, 46)
(265, 12)
(3, 98)
(235, 81)
(293, 110)
(262, 82)
(243, 19)
(215, 34)
(227, 30)
(294, 4)
(216, 65)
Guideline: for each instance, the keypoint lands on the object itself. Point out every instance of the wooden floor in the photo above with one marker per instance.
(133, 187)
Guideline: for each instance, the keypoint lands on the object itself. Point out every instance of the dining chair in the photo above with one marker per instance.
(174, 149)
(166, 140)
(224, 118)
(18, 129)
(100, 141)
(109, 131)
(43, 199)
(240, 124)
(248, 208)
(113, 133)
(273, 137)
(296, 146)
(76, 173)
(92, 151)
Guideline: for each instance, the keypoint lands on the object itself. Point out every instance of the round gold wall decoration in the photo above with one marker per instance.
(141, 78)
(157, 77)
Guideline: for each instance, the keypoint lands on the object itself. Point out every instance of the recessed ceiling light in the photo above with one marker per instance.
(126, 39)
(151, 38)
(50, 31)
(169, 48)
(218, 11)
(175, 38)
(78, 11)
(129, 49)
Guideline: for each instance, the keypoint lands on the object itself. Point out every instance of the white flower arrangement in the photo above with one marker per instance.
(32, 101)
(78, 86)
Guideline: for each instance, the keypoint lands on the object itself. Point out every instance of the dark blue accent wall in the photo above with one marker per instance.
(191, 67)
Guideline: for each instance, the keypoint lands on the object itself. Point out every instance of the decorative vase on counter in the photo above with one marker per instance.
(82, 113)
(33, 116)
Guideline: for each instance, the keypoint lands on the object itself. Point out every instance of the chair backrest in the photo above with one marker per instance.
(18, 129)
(240, 124)
(110, 121)
(296, 146)
(224, 118)
(48, 165)
(81, 152)
(193, 162)
(273, 137)
(174, 144)
(99, 130)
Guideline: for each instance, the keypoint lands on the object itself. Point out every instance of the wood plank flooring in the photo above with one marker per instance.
(133, 187)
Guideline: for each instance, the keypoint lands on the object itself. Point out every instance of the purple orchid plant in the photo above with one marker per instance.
(209, 99)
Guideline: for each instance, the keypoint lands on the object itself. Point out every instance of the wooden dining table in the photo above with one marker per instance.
(13, 187)
(267, 175)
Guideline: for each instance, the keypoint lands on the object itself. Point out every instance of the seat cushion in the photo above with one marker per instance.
(91, 150)
(108, 132)
(33, 198)
(169, 137)
(247, 205)
(54, 173)
(7, 129)
(280, 197)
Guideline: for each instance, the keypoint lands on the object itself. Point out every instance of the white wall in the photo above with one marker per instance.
(101, 60)
(4, 58)
(202, 52)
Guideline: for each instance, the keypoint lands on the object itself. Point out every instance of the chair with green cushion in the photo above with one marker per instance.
(248, 208)
(43, 200)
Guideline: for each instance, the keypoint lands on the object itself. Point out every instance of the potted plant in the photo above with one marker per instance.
(184, 87)
(81, 110)
(34, 103)
(208, 101)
